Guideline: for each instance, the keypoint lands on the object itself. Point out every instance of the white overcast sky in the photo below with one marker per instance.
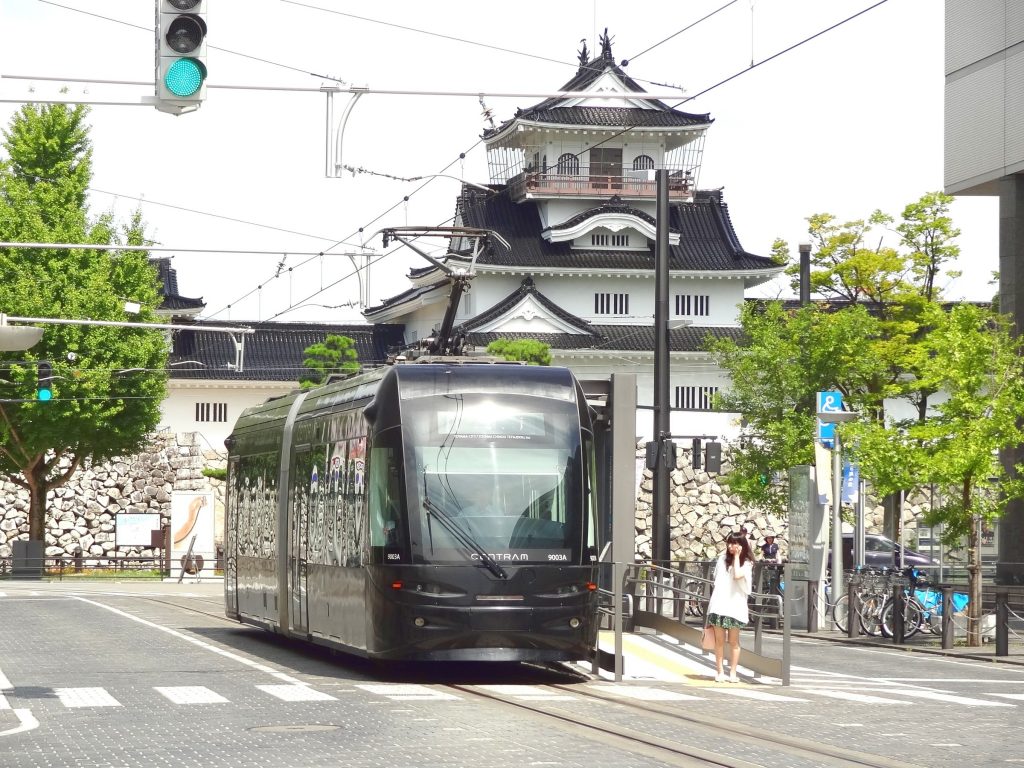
(846, 123)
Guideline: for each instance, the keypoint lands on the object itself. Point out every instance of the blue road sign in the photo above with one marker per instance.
(851, 483)
(828, 401)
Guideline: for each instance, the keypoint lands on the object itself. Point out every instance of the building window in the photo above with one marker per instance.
(692, 306)
(606, 240)
(611, 303)
(569, 164)
(211, 411)
(643, 163)
(693, 398)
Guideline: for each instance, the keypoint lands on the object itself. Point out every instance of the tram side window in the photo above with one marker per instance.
(387, 522)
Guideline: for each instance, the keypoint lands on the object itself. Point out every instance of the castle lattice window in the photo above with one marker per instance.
(211, 411)
(692, 305)
(694, 398)
(606, 240)
(611, 303)
(643, 163)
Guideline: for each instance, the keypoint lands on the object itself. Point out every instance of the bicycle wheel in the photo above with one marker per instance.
(841, 613)
(871, 607)
(912, 617)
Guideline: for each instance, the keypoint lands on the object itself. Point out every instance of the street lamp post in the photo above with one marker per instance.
(837, 417)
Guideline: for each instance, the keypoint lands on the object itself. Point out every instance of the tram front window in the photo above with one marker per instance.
(498, 477)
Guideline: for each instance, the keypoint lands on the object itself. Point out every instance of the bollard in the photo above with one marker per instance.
(1002, 623)
(812, 606)
(853, 616)
(948, 628)
(898, 609)
(78, 560)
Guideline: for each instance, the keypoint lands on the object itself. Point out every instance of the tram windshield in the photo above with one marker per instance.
(500, 480)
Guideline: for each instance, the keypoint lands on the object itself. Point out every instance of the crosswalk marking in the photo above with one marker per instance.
(190, 694)
(296, 693)
(529, 693)
(748, 693)
(644, 693)
(851, 696)
(408, 692)
(895, 695)
(966, 700)
(85, 697)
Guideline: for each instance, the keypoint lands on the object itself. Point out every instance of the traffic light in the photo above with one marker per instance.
(44, 381)
(180, 55)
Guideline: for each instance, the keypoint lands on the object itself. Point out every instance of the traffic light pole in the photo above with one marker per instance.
(660, 510)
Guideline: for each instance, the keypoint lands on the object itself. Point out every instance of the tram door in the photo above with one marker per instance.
(298, 526)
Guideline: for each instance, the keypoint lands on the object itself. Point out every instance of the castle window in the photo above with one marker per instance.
(643, 163)
(211, 411)
(569, 164)
(692, 306)
(694, 398)
(611, 303)
(606, 240)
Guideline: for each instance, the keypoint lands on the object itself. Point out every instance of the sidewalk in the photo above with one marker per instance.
(925, 643)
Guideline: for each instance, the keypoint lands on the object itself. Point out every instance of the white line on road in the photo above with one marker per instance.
(85, 697)
(946, 697)
(190, 694)
(850, 696)
(26, 720)
(205, 646)
(296, 693)
(5, 684)
(746, 693)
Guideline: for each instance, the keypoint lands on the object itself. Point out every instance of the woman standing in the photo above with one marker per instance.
(727, 609)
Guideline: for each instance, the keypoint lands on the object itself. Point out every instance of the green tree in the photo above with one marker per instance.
(334, 355)
(109, 382)
(972, 358)
(523, 350)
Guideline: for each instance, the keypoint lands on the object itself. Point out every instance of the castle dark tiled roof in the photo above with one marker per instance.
(707, 240)
(274, 352)
(550, 111)
(615, 338)
(173, 301)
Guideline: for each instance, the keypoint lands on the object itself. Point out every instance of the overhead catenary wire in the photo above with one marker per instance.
(638, 124)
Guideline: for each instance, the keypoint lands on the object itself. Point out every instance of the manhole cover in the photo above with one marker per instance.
(295, 728)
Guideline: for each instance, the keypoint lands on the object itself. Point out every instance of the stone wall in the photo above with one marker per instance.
(704, 512)
(81, 513)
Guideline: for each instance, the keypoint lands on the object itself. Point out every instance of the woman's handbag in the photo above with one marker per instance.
(707, 641)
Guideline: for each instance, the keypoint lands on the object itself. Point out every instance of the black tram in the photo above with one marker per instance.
(426, 511)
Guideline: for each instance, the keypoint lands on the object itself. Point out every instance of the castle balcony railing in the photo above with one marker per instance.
(628, 185)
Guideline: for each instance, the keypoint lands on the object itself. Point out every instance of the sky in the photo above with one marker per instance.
(846, 123)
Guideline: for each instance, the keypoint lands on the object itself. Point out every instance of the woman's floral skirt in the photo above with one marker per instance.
(725, 622)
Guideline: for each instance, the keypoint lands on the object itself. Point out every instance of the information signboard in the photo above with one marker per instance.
(134, 529)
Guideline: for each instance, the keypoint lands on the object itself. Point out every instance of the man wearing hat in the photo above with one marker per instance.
(770, 550)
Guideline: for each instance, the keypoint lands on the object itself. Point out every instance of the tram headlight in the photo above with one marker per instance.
(419, 621)
(574, 622)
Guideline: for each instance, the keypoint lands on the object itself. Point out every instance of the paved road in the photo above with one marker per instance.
(149, 674)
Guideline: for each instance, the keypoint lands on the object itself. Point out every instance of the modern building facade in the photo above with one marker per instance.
(984, 155)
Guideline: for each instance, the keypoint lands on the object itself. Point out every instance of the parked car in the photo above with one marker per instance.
(881, 552)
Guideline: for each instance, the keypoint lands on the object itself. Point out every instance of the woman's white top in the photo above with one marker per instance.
(729, 596)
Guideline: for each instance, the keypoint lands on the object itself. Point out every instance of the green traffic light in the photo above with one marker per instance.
(44, 395)
(184, 77)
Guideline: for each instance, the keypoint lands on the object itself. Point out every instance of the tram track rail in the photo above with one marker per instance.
(700, 728)
(693, 727)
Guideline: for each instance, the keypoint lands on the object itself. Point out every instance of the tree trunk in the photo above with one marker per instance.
(974, 569)
(36, 479)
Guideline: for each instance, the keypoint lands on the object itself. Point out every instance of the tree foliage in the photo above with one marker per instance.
(941, 389)
(334, 355)
(109, 381)
(523, 350)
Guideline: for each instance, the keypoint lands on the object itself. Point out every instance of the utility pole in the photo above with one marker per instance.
(660, 510)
